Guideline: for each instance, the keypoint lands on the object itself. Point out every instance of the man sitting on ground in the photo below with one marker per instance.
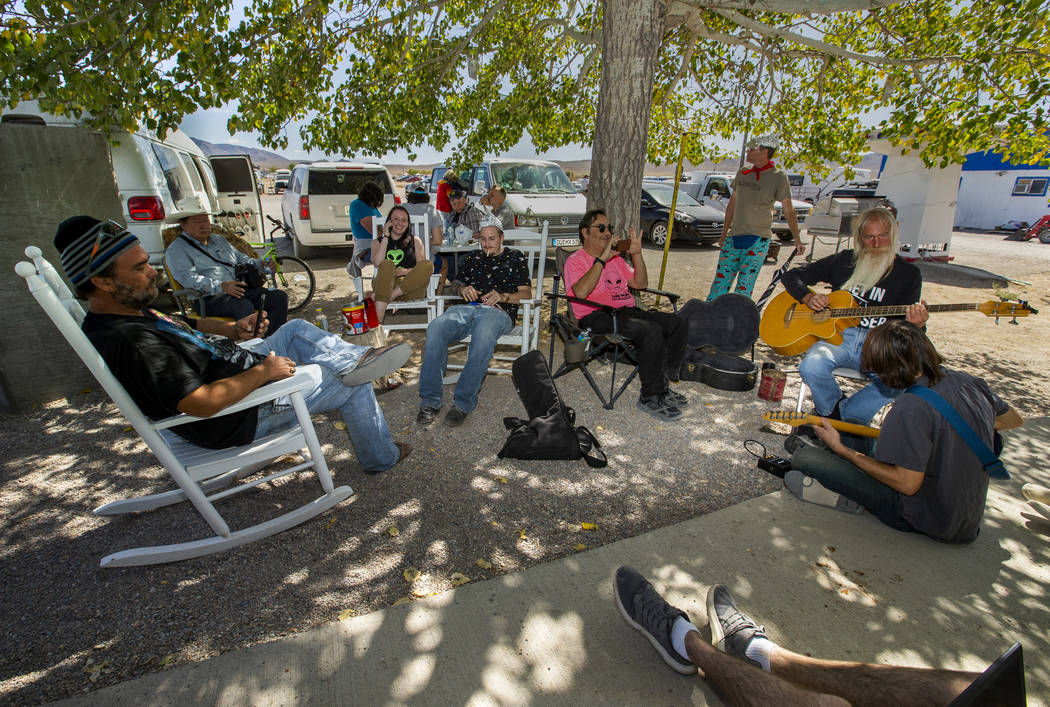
(593, 272)
(921, 476)
(170, 365)
(492, 281)
(875, 275)
(205, 261)
(746, 668)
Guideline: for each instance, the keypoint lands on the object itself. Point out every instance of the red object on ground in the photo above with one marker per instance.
(371, 316)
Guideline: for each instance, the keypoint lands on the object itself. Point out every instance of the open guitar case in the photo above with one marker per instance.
(719, 332)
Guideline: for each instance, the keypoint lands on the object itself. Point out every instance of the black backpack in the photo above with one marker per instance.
(550, 432)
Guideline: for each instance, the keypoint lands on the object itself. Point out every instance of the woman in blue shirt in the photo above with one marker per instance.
(362, 210)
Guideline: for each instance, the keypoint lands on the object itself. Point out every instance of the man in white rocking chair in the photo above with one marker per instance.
(170, 365)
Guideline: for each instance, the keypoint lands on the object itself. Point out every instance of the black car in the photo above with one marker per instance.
(694, 222)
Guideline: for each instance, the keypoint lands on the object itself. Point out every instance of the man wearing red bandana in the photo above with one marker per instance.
(750, 218)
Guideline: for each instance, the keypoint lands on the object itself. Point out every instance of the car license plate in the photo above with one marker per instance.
(565, 241)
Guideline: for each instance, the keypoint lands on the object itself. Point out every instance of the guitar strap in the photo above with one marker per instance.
(775, 281)
(992, 464)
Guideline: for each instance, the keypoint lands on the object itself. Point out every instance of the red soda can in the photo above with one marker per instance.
(779, 380)
(371, 316)
(765, 382)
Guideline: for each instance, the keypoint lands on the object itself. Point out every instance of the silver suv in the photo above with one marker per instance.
(316, 204)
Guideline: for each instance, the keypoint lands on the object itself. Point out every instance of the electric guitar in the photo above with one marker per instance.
(790, 327)
(797, 419)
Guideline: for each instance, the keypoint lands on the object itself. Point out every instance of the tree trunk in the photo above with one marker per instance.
(631, 34)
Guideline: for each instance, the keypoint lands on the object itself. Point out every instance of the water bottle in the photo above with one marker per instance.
(321, 320)
(585, 338)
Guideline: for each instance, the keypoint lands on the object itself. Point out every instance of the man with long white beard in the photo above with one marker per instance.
(876, 276)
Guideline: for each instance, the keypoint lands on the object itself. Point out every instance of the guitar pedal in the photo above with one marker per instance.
(777, 466)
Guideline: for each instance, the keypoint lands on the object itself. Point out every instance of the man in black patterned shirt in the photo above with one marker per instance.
(492, 281)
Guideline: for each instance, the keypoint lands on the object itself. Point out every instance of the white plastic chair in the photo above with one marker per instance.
(803, 389)
(420, 226)
(199, 473)
(524, 336)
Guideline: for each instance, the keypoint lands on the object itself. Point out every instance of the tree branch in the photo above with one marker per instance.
(769, 31)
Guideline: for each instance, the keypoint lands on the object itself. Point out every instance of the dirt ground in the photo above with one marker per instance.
(74, 627)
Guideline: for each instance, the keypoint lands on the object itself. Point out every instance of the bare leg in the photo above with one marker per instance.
(870, 684)
(743, 684)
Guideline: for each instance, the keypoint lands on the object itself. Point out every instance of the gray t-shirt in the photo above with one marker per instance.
(755, 193)
(950, 503)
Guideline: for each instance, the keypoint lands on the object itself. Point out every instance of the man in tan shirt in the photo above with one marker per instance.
(750, 218)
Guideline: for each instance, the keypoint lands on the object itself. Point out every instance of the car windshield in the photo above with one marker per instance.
(662, 195)
(523, 178)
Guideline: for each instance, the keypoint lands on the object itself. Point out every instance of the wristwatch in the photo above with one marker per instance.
(599, 261)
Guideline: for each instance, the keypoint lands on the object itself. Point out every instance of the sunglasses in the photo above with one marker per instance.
(105, 228)
(602, 228)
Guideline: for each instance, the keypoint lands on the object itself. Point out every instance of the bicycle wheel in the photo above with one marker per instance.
(296, 278)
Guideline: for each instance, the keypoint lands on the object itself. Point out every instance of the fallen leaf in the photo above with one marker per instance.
(95, 670)
(495, 524)
(85, 391)
(411, 574)
(483, 564)
(392, 531)
(707, 405)
(579, 547)
(345, 614)
(598, 427)
(459, 578)
(167, 661)
(129, 428)
(402, 600)
(339, 425)
(330, 522)
(419, 593)
(501, 479)
(521, 534)
(588, 526)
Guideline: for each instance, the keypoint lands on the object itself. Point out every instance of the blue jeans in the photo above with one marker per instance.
(816, 370)
(305, 343)
(842, 477)
(484, 325)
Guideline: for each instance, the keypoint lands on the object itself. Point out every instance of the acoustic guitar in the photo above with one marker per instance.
(797, 419)
(790, 327)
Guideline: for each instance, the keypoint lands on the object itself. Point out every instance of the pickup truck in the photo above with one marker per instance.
(713, 188)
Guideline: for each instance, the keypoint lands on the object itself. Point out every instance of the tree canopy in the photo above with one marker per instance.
(469, 77)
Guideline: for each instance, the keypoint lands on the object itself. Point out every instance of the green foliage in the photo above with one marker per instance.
(470, 77)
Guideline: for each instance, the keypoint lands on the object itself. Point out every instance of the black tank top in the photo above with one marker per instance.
(403, 251)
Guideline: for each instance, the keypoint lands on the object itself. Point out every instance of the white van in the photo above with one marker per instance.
(316, 205)
(152, 175)
(537, 191)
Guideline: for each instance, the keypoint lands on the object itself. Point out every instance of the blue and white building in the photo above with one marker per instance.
(993, 191)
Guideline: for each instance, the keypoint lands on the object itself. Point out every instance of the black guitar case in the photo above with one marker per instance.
(718, 331)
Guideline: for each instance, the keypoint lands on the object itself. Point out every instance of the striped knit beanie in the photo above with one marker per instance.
(84, 251)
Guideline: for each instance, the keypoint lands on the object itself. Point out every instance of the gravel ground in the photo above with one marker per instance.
(452, 507)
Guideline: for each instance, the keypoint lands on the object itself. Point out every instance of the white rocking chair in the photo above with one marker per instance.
(201, 474)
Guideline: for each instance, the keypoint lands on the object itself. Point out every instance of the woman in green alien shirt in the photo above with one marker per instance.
(402, 268)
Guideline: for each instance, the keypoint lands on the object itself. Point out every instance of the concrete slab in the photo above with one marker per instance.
(824, 583)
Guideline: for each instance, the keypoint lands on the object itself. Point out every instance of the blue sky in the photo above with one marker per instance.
(210, 125)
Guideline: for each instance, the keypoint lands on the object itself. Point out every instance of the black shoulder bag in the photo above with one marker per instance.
(551, 431)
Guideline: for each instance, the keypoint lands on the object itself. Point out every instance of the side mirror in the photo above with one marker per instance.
(646, 203)
(480, 188)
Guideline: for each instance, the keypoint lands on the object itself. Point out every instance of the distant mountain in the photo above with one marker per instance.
(261, 158)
